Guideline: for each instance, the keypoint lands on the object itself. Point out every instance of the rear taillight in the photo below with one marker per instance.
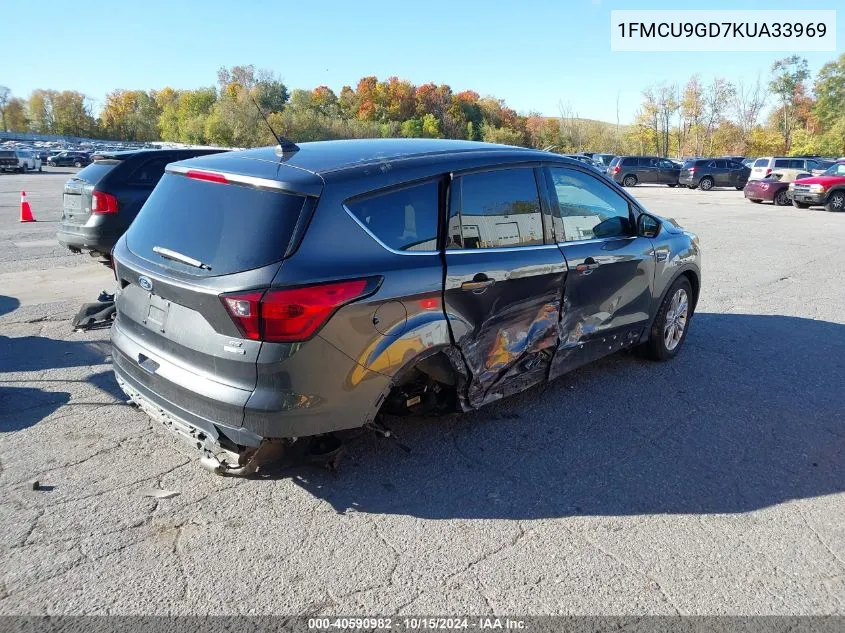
(291, 314)
(102, 203)
(616, 169)
(768, 171)
(692, 170)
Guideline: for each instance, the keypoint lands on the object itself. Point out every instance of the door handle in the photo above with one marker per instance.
(589, 264)
(478, 284)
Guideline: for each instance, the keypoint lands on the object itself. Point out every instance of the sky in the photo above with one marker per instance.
(534, 55)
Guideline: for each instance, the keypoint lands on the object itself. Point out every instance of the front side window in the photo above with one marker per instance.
(667, 164)
(495, 209)
(589, 208)
(402, 219)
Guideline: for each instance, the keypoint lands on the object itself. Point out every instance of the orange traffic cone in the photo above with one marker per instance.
(26, 210)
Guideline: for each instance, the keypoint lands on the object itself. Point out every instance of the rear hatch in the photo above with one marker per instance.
(194, 240)
(78, 192)
(8, 159)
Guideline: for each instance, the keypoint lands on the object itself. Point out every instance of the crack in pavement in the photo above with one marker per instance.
(630, 568)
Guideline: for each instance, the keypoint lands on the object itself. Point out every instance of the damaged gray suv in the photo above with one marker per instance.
(279, 293)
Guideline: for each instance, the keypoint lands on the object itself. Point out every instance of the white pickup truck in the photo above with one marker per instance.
(28, 160)
(19, 160)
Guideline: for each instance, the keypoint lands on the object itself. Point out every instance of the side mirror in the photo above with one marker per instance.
(612, 227)
(647, 226)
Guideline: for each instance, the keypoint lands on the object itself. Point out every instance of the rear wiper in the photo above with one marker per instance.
(179, 257)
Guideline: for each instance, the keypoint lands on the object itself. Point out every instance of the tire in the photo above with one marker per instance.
(835, 201)
(51, 163)
(39, 168)
(706, 183)
(782, 199)
(657, 348)
(692, 186)
(22, 169)
(755, 201)
(629, 181)
(673, 186)
(77, 163)
(738, 188)
(800, 205)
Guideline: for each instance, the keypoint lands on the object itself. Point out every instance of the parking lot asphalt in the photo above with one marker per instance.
(712, 484)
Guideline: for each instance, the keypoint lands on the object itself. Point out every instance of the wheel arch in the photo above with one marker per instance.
(693, 276)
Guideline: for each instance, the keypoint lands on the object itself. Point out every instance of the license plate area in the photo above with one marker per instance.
(157, 311)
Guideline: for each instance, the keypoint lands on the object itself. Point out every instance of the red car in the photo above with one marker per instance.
(827, 190)
(773, 188)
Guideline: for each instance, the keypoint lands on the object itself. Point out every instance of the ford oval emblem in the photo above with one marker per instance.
(145, 283)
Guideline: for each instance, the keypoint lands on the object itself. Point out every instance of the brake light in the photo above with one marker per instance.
(290, 314)
(692, 170)
(208, 176)
(616, 169)
(768, 171)
(103, 203)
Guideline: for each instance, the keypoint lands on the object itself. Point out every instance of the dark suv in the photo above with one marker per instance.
(636, 170)
(707, 173)
(102, 200)
(268, 294)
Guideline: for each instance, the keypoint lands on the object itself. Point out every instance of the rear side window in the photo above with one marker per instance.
(97, 170)
(761, 162)
(150, 171)
(782, 163)
(722, 164)
(796, 164)
(229, 228)
(630, 161)
(495, 209)
(403, 219)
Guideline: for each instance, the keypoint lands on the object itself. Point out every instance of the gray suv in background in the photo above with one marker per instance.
(268, 295)
(707, 173)
(640, 170)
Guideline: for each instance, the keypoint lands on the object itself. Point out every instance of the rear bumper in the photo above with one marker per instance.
(687, 179)
(758, 194)
(307, 393)
(95, 238)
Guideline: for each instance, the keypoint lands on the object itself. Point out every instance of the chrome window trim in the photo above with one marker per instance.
(500, 249)
(596, 240)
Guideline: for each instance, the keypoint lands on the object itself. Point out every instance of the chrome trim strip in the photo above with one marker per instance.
(597, 240)
(500, 249)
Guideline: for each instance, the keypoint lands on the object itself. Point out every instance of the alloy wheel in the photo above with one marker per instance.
(676, 319)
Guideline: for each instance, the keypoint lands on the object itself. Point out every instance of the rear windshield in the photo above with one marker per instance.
(95, 172)
(229, 228)
(615, 161)
(761, 162)
(689, 163)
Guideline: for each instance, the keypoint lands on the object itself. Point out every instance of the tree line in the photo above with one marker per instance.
(703, 117)
(719, 117)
